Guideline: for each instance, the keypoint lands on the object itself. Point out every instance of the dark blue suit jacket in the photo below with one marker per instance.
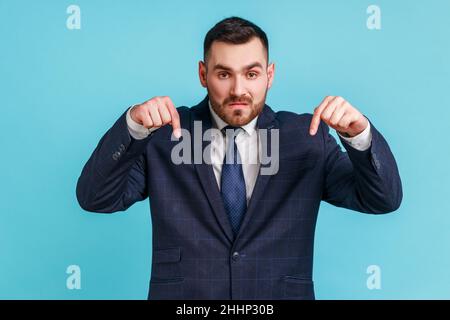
(195, 255)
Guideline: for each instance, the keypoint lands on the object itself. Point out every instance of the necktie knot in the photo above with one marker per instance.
(230, 129)
(231, 154)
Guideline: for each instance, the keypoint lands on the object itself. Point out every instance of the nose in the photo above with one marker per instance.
(238, 89)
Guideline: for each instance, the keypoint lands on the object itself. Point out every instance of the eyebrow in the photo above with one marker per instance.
(250, 66)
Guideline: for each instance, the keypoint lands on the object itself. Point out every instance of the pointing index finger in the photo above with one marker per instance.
(315, 121)
(175, 119)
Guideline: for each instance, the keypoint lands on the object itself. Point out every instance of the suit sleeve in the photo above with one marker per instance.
(114, 177)
(366, 181)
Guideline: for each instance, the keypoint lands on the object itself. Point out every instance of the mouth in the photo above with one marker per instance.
(238, 104)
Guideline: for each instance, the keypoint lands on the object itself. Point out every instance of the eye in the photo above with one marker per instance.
(223, 75)
(252, 75)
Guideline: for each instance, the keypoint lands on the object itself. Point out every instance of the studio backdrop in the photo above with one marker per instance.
(69, 69)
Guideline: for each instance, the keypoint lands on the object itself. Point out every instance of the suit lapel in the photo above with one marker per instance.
(266, 120)
(205, 171)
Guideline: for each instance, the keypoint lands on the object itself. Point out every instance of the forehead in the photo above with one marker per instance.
(237, 56)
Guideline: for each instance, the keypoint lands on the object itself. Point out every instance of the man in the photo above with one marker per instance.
(222, 229)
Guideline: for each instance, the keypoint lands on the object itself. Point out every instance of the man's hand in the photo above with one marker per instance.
(157, 112)
(339, 115)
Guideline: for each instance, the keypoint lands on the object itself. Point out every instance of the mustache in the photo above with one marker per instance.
(238, 100)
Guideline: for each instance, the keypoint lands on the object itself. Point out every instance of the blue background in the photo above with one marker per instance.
(62, 89)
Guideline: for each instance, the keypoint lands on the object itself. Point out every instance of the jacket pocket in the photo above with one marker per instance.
(297, 279)
(298, 287)
(166, 267)
(166, 280)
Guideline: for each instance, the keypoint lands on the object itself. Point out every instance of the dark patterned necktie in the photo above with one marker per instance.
(232, 183)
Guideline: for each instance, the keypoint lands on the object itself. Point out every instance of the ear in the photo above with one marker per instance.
(202, 73)
(270, 74)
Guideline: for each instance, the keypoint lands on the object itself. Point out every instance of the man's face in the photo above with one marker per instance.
(237, 79)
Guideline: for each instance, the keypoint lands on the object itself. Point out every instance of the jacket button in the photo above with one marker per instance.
(235, 256)
(116, 155)
(121, 148)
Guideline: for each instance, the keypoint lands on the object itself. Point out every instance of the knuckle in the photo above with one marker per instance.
(139, 108)
(141, 112)
(156, 120)
(149, 104)
(166, 118)
(157, 100)
(147, 122)
(148, 109)
(164, 107)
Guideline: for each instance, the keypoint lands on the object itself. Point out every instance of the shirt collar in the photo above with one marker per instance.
(220, 124)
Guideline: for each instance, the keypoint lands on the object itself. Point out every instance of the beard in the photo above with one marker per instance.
(240, 116)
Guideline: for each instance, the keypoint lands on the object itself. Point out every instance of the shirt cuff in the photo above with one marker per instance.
(136, 130)
(360, 142)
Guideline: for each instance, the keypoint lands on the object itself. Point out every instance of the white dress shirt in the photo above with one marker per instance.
(247, 144)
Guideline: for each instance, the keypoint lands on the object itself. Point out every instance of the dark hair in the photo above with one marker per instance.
(234, 30)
